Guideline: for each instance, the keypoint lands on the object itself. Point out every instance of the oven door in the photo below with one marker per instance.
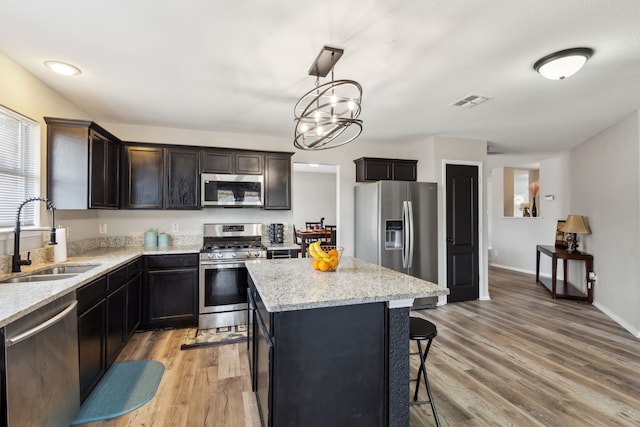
(222, 294)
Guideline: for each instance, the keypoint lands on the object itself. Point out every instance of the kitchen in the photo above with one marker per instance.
(28, 94)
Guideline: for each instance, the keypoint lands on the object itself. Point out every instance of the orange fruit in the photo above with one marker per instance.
(323, 266)
(333, 253)
(315, 264)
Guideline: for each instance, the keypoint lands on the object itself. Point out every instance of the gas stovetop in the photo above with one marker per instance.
(232, 242)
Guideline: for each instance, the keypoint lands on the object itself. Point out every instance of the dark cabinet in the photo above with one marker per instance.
(277, 181)
(83, 165)
(105, 307)
(182, 182)
(170, 291)
(282, 253)
(378, 169)
(232, 162)
(161, 177)
(134, 303)
(287, 352)
(92, 333)
(144, 177)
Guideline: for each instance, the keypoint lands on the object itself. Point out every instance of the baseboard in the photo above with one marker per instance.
(519, 270)
(634, 331)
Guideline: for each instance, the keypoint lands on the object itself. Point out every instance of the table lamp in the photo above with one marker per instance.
(575, 225)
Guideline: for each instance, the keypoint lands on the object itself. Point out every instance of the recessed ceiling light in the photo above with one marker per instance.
(62, 68)
(562, 64)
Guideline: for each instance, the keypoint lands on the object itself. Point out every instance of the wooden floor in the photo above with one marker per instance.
(521, 359)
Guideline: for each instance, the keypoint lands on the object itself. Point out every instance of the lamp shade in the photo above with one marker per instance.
(564, 63)
(575, 224)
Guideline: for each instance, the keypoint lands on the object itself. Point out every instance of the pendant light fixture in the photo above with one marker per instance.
(562, 64)
(327, 116)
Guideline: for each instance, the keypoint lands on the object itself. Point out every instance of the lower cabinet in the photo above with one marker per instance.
(107, 308)
(305, 361)
(170, 291)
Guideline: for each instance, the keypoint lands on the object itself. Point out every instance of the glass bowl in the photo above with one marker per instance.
(328, 261)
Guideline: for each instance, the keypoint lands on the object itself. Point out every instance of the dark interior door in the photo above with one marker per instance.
(462, 233)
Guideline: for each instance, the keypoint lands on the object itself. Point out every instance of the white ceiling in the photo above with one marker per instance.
(240, 66)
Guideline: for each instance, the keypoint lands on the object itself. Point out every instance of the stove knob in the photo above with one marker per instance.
(219, 254)
(256, 254)
(210, 255)
(234, 255)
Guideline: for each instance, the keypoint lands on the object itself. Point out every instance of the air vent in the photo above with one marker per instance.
(470, 101)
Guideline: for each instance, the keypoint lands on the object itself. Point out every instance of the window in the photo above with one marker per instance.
(19, 167)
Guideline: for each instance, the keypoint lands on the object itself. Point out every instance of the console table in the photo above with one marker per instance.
(568, 291)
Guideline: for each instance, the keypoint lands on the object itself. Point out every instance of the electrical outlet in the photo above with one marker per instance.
(102, 228)
(174, 227)
(68, 232)
(592, 275)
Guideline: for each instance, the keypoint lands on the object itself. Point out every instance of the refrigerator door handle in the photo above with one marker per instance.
(405, 229)
(411, 234)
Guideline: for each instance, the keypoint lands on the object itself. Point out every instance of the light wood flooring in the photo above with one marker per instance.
(521, 359)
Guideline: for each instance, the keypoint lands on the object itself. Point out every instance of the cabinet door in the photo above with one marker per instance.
(248, 163)
(217, 161)
(377, 170)
(97, 170)
(171, 297)
(134, 300)
(116, 336)
(183, 173)
(277, 182)
(91, 346)
(404, 171)
(112, 175)
(145, 177)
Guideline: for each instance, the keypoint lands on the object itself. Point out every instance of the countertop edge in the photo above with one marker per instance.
(109, 259)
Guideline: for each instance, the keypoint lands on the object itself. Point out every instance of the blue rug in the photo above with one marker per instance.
(126, 386)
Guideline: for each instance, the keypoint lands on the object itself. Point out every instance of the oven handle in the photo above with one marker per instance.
(221, 265)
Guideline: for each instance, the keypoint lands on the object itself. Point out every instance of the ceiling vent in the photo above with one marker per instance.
(470, 101)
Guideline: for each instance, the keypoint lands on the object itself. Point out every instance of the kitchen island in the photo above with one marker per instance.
(331, 348)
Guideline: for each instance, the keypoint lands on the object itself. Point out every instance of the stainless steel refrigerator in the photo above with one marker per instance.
(396, 226)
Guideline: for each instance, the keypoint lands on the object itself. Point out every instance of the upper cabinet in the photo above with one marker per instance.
(83, 165)
(161, 178)
(232, 162)
(377, 169)
(277, 181)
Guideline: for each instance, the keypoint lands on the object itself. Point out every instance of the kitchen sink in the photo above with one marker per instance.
(59, 272)
(39, 278)
(66, 269)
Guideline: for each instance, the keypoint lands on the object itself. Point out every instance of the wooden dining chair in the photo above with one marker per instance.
(312, 225)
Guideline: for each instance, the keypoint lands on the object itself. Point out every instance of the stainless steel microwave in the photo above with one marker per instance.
(225, 190)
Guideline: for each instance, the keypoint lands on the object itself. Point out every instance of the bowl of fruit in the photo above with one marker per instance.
(324, 257)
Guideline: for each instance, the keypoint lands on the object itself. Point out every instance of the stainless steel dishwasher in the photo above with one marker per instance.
(41, 366)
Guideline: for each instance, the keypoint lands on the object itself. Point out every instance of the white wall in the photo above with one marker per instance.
(22, 92)
(605, 185)
(514, 240)
(314, 197)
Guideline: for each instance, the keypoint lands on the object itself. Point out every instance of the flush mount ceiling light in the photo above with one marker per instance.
(327, 116)
(62, 68)
(564, 63)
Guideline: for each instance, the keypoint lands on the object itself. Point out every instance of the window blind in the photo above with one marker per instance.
(19, 167)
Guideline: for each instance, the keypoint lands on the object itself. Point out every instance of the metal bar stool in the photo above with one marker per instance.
(421, 330)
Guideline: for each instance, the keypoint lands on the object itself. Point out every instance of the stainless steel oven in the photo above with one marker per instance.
(223, 275)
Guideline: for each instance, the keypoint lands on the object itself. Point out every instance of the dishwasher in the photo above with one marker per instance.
(40, 366)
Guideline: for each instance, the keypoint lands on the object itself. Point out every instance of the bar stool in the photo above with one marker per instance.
(422, 330)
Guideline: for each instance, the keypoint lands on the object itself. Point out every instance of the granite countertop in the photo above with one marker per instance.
(292, 284)
(280, 246)
(19, 299)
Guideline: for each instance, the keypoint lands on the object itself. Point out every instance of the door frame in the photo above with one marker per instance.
(482, 218)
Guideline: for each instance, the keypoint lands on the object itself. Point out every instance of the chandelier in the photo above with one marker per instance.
(327, 116)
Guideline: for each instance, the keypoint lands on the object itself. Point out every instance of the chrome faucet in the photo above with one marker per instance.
(16, 262)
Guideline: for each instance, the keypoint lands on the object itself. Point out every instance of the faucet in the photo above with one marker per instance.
(16, 262)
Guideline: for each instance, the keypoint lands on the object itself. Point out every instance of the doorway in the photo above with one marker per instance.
(462, 234)
(315, 194)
